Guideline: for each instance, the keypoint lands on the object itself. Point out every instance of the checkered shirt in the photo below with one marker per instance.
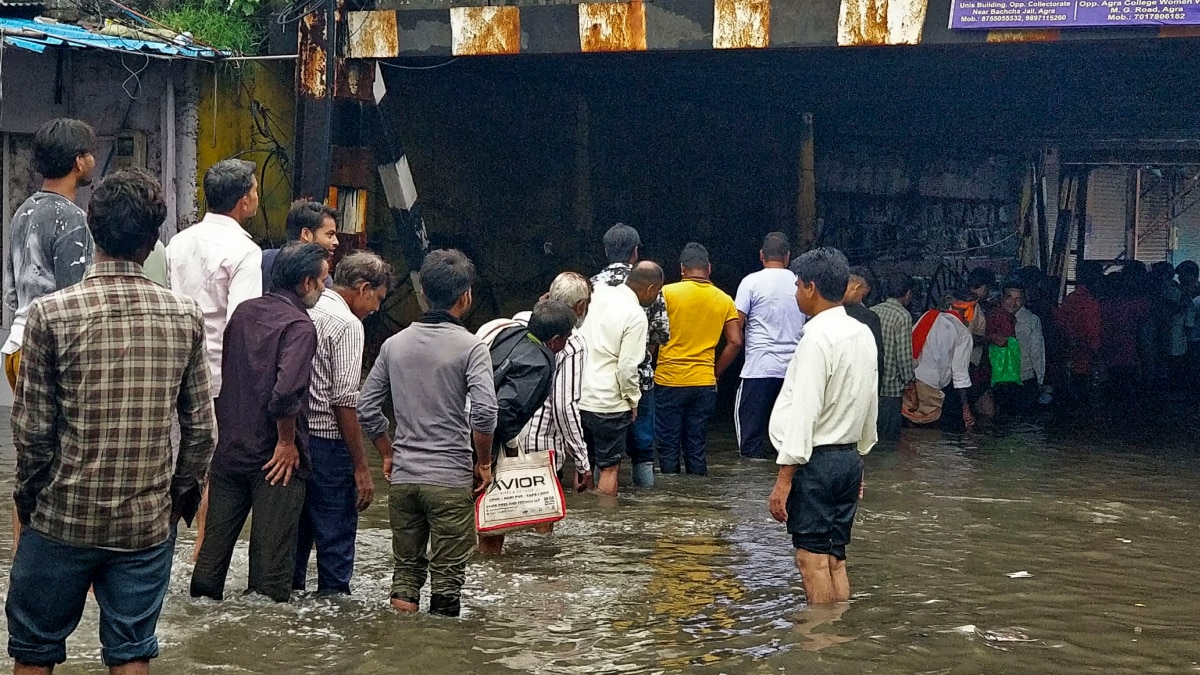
(897, 325)
(104, 366)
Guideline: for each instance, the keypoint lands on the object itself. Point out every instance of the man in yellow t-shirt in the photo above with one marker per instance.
(688, 366)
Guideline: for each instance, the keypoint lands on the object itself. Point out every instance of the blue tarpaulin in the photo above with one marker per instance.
(37, 36)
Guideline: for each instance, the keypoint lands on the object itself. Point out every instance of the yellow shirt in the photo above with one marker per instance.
(697, 312)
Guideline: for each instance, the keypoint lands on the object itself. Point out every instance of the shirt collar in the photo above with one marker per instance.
(116, 268)
(225, 221)
(830, 314)
(291, 296)
(334, 296)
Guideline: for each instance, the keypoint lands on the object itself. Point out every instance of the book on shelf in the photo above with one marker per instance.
(352, 203)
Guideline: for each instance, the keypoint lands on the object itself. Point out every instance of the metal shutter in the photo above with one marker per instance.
(1154, 218)
(1106, 202)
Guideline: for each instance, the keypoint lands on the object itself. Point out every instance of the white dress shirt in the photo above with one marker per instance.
(1033, 345)
(946, 356)
(615, 333)
(830, 393)
(216, 263)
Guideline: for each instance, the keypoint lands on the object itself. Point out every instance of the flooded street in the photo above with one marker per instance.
(694, 575)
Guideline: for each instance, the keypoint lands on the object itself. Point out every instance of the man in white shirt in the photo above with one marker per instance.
(942, 346)
(615, 333)
(766, 301)
(1022, 399)
(216, 263)
(823, 422)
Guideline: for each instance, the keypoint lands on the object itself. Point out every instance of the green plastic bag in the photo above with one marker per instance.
(1006, 362)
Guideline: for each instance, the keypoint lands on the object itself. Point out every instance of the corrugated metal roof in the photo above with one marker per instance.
(38, 35)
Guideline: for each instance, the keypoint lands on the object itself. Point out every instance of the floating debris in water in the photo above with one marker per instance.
(1019, 575)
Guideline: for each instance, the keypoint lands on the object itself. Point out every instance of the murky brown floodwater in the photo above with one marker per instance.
(695, 576)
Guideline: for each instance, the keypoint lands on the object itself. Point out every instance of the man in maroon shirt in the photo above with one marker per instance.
(262, 459)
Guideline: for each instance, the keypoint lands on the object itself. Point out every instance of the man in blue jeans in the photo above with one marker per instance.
(106, 364)
(340, 485)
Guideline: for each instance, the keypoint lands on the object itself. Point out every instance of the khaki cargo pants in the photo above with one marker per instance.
(439, 520)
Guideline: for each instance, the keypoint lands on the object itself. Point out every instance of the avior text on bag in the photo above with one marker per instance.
(524, 492)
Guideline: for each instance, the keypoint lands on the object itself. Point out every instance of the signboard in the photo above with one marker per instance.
(1022, 14)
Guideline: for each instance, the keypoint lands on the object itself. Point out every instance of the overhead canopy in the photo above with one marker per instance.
(36, 35)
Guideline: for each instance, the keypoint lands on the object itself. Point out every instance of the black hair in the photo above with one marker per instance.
(306, 215)
(445, 276)
(297, 263)
(620, 242)
(981, 276)
(125, 213)
(897, 285)
(826, 268)
(58, 143)
(550, 319)
(645, 274)
(694, 257)
(362, 266)
(226, 182)
(1090, 273)
(1014, 283)
(1188, 268)
(863, 273)
(775, 247)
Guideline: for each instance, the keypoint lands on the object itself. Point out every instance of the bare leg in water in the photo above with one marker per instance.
(608, 480)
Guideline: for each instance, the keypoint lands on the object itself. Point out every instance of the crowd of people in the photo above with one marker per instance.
(210, 380)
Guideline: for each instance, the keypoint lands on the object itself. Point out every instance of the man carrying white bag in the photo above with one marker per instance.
(525, 491)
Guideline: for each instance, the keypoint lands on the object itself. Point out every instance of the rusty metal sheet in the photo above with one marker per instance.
(478, 31)
(312, 60)
(372, 35)
(881, 22)
(1051, 35)
(612, 26)
(741, 24)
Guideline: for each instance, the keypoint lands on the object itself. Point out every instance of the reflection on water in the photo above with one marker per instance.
(694, 575)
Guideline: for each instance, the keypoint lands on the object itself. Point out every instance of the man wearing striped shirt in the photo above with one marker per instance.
(556, 425)
(341, 485)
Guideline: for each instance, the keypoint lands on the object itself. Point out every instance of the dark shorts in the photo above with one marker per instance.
(606, 436)
(49, 586)
(824, 499)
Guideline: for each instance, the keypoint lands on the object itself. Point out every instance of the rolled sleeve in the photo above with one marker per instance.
(294, 370)
(481, 390)
(374, 391)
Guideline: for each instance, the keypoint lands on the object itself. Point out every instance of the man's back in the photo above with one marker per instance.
(118, 348)
(774, 322)
(615, 331)
(699, 311)
(433, 369)
(216, 263)
(51, 250)
(270, 344)
(945, 354)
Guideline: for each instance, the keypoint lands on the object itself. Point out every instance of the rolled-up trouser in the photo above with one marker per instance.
(329, 519)
(273, 530)
(440, 520)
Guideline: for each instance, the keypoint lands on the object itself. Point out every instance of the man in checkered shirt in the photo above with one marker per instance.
(106, 363)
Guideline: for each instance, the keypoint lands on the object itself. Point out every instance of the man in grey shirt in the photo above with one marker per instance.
(441, 455)
(51, 246)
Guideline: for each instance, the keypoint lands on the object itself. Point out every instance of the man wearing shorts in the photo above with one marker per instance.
(615, 333)
(823, 421)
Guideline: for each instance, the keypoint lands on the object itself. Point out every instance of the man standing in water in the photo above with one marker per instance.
(96, 485)
(823, 421)
(262, 461)
(766, 302)
(430, 370)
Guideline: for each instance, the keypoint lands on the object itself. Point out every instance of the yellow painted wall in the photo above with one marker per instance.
(229, 130)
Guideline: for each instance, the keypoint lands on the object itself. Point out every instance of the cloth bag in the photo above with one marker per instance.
(1006, 362)
(524, 492)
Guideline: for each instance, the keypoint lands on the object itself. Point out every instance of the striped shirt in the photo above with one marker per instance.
(556, 426)
(337, 367)
(104, 366)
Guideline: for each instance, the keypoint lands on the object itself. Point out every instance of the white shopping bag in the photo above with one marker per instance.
(524, 492)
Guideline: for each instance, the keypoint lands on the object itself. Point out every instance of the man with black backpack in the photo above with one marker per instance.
(523, 371)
